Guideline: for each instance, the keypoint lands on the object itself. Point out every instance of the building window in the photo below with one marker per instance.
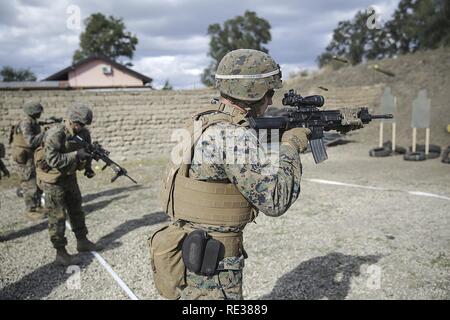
(107, 70)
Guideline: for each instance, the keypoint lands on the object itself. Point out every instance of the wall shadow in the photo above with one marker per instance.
(131, 225)
(110, 192)
(42, 281)
(326, 277)
(89, 208)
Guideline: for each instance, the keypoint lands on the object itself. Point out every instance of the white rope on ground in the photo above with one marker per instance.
(426, 194)
(415, 193)
(110, 270)
(119, 281)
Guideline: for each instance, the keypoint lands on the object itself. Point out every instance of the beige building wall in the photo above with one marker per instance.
(131, 124)
(139, 124)
(91, 74)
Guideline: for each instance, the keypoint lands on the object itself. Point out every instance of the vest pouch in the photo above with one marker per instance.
(194, 249)
(44, 172)
(166, 194)
(20, 155)
(201, 253)
(166, 260)
(213, 254)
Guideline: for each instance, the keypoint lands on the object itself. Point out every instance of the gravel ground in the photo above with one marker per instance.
(336, 242)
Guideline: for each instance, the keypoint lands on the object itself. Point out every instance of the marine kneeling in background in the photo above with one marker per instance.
(211, 198)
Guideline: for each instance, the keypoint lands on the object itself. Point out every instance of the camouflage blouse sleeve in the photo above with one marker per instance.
(271, 182)
(53, 145)
(32, 139)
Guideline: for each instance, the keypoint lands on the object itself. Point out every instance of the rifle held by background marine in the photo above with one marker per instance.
(51, 120)
(98, 153)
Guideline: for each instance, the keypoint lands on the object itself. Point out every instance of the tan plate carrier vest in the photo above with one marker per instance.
(21, 152)
(213, 203)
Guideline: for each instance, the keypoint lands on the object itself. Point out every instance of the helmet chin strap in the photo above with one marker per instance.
(251, 111)
(228, 102)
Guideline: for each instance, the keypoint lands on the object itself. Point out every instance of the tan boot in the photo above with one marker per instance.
(85, 245)
(34, 215)
(65, 259)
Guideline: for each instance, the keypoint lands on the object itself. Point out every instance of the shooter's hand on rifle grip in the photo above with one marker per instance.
(297, 138)
(83, 155)
(89, 173)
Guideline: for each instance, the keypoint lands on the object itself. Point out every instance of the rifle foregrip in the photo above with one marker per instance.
(114, 178)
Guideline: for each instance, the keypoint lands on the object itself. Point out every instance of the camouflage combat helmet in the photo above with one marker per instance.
(32, 108)
(80, 113)
(246, 74)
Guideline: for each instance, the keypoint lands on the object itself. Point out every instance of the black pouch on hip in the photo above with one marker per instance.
(193, 250)
(201, 253)
(211, 257)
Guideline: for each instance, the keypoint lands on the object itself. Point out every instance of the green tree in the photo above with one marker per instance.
(420, 24)
(415, 24)
(404, 26)
(436, 32)
(105, 36)
(10, 74)
(354, 41)
(242, 32)
(167, 86)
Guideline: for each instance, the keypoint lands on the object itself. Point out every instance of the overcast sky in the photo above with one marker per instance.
(173, 44)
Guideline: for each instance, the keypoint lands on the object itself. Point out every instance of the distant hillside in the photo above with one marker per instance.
(361, 85)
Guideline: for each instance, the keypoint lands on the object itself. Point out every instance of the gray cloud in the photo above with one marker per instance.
(171, 33)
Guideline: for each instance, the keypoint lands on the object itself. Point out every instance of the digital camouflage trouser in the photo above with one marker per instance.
(226, 285)
(64, 198)
(31, 194)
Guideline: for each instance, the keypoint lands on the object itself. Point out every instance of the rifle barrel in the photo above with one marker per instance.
(382, 116)
(131, 178)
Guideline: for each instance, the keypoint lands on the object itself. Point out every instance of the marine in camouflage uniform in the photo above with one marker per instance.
(3, 169)
(56, 172)
(227, 152)
(2, 165)
(27, 136)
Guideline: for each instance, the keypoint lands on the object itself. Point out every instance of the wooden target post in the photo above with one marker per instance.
(421, 111)
(388, 105)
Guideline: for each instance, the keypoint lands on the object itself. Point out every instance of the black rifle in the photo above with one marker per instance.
(304, 112)
(98, 153)
(51, 120)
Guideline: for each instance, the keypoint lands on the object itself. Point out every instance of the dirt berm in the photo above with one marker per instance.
(361, 85)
